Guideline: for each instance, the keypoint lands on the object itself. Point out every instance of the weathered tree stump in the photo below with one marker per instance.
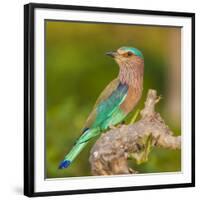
(110, 153)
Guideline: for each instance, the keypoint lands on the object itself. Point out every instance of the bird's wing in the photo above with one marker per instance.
(111, 97)
(107, 91)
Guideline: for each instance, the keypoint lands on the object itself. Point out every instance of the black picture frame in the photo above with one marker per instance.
(29, 95)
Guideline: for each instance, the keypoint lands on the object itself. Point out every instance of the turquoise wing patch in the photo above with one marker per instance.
(107, 107)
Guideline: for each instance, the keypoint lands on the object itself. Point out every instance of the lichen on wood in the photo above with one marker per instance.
(111, 151)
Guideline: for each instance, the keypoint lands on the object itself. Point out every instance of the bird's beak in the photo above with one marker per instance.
(113, 54)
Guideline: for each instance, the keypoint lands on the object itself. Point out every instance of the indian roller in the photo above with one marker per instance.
(116, 101)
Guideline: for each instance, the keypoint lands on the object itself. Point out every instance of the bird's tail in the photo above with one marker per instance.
(78, 147)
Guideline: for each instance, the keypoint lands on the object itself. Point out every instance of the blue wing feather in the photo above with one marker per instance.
(105, 112)
(107, 106)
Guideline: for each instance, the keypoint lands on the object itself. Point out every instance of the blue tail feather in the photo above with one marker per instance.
(64, 164)
(78, 147)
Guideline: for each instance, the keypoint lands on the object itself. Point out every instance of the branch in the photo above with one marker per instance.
(110, 153)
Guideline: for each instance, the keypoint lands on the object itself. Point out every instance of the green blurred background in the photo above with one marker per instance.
(77, 70)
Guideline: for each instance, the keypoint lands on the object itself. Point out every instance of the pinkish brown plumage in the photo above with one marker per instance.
(130, 73)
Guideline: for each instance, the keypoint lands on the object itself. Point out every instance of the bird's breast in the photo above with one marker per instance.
(132, 98)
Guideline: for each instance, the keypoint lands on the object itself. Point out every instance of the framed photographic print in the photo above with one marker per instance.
(108, 99)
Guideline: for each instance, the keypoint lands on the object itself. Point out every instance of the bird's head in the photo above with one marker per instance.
(126, 55)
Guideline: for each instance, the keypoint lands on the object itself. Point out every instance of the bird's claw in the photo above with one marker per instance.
(112, 127)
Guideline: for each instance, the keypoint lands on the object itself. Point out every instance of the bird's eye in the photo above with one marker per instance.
(129, 53)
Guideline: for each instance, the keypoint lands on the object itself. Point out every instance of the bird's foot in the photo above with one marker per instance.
(112, 127)
(117, 126)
